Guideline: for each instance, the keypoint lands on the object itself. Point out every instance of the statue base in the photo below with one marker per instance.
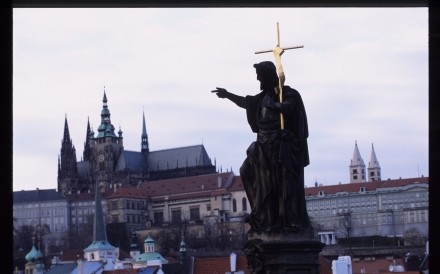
(282, 254)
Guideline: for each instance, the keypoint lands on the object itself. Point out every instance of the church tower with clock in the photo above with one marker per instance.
(106, 148)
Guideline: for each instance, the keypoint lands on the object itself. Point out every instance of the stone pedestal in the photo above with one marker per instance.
(282, 255)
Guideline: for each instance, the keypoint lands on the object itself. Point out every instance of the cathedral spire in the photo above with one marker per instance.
(66, 134)
(87, 147)
(373, 167)
(357, 166)
(105, 113)
(144, 139)
(106, 129)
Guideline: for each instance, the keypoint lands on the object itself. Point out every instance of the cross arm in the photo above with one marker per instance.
(271, 50)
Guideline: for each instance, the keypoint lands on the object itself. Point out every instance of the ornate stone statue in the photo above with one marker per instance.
(273, 172)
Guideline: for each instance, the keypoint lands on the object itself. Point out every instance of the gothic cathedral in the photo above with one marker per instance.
(105, 161)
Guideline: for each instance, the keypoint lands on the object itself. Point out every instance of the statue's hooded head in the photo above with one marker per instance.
(267, 75)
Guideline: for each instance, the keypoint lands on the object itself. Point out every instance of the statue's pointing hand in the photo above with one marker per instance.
(221, 92)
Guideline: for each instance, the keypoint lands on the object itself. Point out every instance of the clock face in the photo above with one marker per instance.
(101, 157)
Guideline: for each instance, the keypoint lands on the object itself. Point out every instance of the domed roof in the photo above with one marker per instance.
(149, 240)
(150, 256)
(33, 255)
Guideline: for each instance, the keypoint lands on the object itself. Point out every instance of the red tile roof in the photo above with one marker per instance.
(377, 266)
(128, 192)
(219, 265)
(370, 186)
(207, 186)
(222, 265)
(188, 187)
(237, 184)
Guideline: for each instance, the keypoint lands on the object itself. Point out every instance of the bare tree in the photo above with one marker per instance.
(345, 226)
(413, 236)
(316, 227)
(80, 234)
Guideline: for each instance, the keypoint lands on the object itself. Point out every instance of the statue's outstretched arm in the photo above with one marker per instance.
(223, 93)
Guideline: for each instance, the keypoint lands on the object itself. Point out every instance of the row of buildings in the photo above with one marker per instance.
(387, 208)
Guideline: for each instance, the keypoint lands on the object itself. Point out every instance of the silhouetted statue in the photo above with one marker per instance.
(273, 172)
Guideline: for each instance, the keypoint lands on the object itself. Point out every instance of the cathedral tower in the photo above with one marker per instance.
(67, 167)
(357, 167)
(373, 167)
(106, 148)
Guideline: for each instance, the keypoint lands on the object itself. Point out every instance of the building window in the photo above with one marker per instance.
(234, 205)
(389, 219)
(208, 207)
(114, 205)
(194, 213)
(411, 217)
(423, 216)
(355, 171)
(244, 204)
(176, 216)
(158, 217)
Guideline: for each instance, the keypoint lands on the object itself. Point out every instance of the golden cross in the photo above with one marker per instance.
(277, 52)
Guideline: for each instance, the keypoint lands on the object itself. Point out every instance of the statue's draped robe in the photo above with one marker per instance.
(273, 172)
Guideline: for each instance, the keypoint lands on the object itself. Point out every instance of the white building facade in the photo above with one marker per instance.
(45, 210)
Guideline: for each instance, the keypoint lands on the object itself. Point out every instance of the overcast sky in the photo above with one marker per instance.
(362, 74)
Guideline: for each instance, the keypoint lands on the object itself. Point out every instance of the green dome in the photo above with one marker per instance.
(33, 255)
(149, 240)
